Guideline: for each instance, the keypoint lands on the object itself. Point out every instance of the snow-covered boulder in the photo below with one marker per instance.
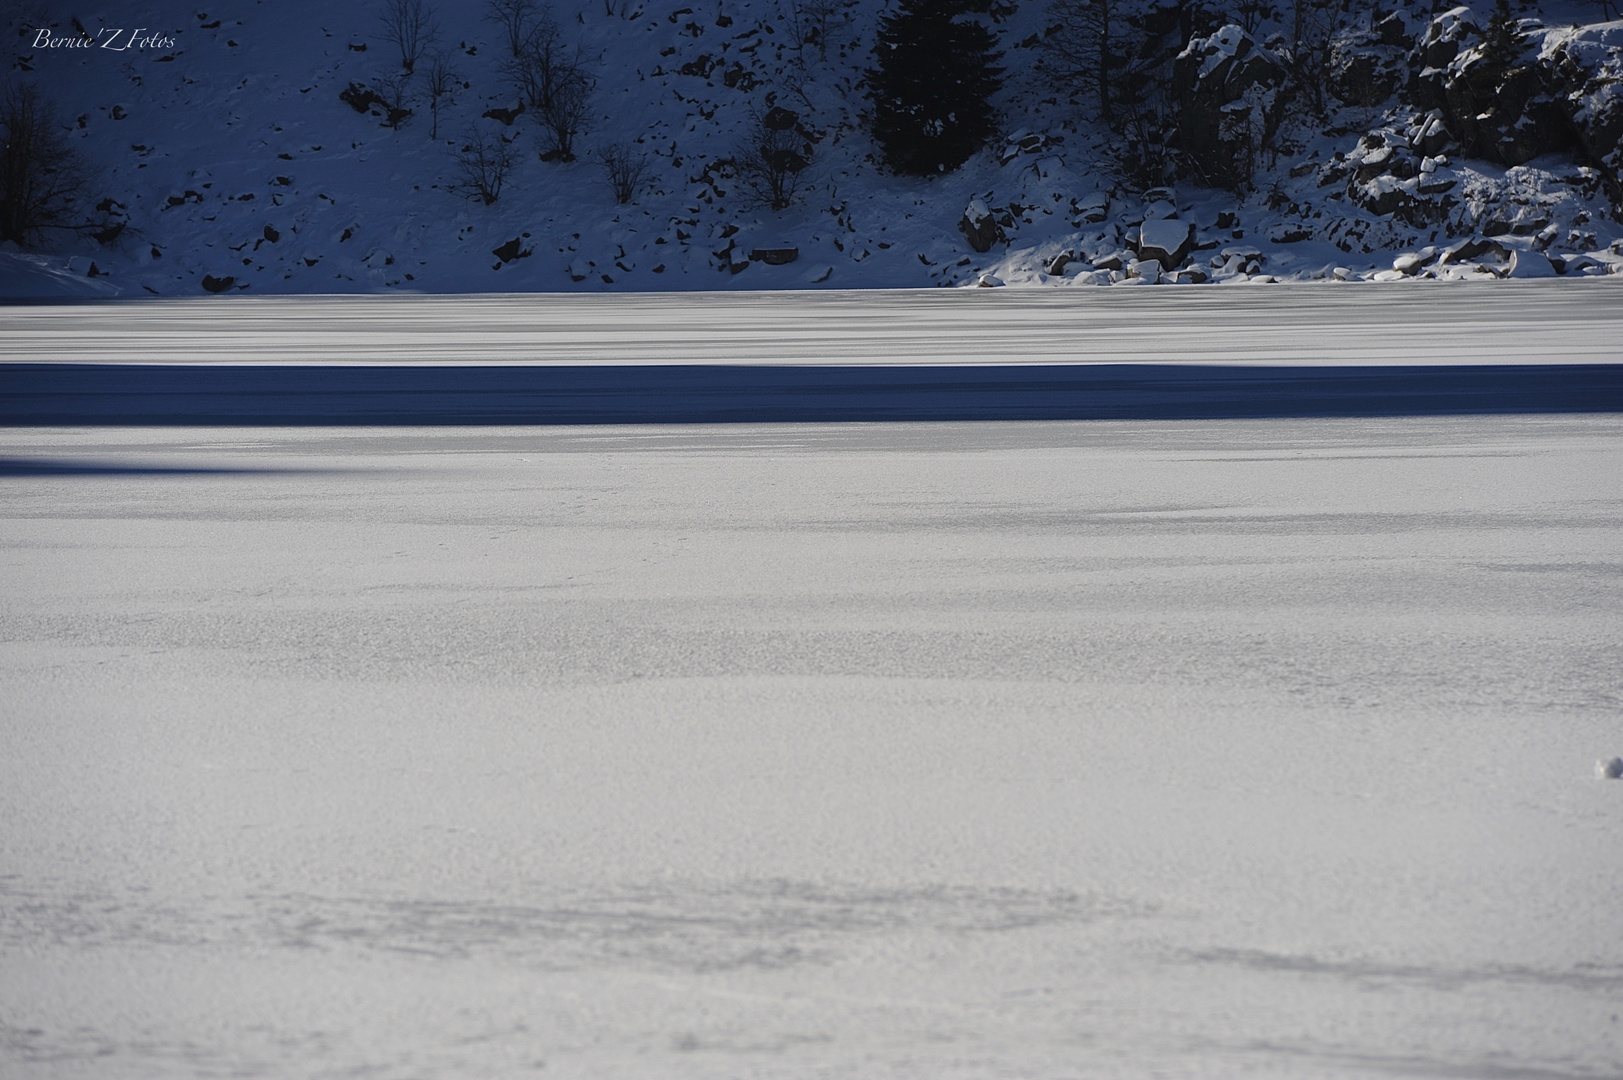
(979, 226)
(1166, 240)
(1530, 264)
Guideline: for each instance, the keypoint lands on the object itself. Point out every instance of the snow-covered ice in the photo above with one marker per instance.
(1054, 750)
(1434, 323)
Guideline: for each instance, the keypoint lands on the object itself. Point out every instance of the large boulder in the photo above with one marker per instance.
(1168, 241)
(1231, 96)
(979, 226)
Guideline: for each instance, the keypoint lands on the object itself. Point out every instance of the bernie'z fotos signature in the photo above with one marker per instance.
(116, 38)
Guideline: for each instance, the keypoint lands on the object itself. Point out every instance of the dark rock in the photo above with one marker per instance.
(779, 256)
(1057, 266)
(217, 285)
(1364, 70)
(1231, 96)
(506, 116)
(778, 118)
(511, 250)
(980, 227)
(359, 97)
(1474, 248)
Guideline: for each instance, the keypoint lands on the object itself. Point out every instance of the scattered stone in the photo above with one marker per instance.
(1474, 248)
(778, 256)
(1147, 270)
(990, 281)
(217, 285)
(1414, 262)
(1609, 770)
(506, 116)
(509, 251)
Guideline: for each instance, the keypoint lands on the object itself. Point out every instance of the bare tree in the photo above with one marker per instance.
(393, 92)
(518, 18)
(441, 88)
(564, 117)
(483, 164)
(1082, 50)
(542, 64)
(626, 168)
(44, 183)
(813, 22)
(411, 27)
(1314, 26)
(773, 158)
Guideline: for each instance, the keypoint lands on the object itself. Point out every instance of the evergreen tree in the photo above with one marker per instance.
(1503, 40)
(931, 87)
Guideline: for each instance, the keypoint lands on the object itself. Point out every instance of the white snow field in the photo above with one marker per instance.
(1534, 322)
(939, 751)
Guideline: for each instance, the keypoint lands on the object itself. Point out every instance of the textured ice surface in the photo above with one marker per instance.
(1054, 750)
(1521, 322)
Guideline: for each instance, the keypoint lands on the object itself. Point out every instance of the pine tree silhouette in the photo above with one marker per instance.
(1503, 40)
(931, 86)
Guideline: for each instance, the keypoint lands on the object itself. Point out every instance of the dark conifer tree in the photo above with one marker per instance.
(931, 87)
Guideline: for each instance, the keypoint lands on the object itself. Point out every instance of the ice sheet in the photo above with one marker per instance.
(1059, 750)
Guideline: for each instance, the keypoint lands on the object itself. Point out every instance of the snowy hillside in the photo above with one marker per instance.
(239, 143)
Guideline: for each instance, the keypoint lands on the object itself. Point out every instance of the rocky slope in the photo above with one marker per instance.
(251, 147)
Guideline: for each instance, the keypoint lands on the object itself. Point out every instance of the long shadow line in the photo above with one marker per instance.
(122, 394)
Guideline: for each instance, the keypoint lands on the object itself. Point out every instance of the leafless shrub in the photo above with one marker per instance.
(517, 18)
(626, 168)
(565, 117)
(483, 164)
(441, 86)
(44, 183)
(543, 64)
(773, 157)
(393, 92)
(411, 27)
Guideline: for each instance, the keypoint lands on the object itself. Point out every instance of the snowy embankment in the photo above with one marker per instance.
(959, 751)
(237, 165)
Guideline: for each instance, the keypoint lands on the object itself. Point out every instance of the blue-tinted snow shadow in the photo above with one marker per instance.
(92, 394)
(12, 466)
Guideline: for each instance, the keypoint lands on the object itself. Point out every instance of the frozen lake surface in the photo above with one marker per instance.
(1509, 322)
(940, 751)
(1117, 354)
